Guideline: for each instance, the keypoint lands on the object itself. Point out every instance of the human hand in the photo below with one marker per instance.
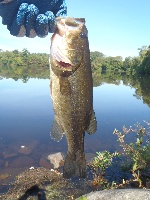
(31, 17)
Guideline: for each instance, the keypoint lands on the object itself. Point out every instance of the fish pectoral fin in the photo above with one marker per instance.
(92, 127)
(56, 132)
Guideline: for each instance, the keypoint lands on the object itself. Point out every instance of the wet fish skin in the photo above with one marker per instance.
(71, 89)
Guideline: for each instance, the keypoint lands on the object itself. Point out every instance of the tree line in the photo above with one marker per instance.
(23, 65)
(139, 64)
(23, 58)
(99, 62)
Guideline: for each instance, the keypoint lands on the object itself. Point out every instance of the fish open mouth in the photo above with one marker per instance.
(64, 64)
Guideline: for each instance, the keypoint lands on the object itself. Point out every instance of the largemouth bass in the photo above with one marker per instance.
(71, 88)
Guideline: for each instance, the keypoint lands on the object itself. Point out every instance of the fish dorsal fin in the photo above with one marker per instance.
(92, 127)
(56, 132)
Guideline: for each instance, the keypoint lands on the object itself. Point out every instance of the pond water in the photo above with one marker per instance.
(26, 117)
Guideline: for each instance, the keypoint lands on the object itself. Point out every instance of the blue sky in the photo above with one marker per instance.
(115, 27)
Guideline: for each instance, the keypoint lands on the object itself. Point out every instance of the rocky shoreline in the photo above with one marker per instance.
(41, 184)
(46, 182)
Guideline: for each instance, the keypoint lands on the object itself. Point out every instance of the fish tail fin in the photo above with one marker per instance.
(75, 165)
(56, 132)
(92, 127)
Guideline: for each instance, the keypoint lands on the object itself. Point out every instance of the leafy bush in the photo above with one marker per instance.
(137, 162)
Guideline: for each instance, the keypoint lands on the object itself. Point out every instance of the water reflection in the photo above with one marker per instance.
(26, 117)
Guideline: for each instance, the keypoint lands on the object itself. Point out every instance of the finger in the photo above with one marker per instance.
(30, 20)
(5, 1)
(51, 21)
(41, 25)
(8, 11)
(62, 10)
(18, 26)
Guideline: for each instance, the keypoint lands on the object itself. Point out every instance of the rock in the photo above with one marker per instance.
(56, 159)
(24, 161)
(24, 147)
(25, 150)
(51, 185)
(45, 163)
(119, 194)
(30, 184)
(9, 153)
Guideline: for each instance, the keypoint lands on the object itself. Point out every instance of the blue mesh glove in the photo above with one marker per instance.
(31, 17)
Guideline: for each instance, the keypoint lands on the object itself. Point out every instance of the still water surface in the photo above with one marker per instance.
(26, 117)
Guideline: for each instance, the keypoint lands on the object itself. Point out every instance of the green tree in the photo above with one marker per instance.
(144, 55)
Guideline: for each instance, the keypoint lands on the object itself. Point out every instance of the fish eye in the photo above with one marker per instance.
(83, 35)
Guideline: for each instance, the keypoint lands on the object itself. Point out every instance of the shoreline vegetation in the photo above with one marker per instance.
(128, 167)
(15, 60)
